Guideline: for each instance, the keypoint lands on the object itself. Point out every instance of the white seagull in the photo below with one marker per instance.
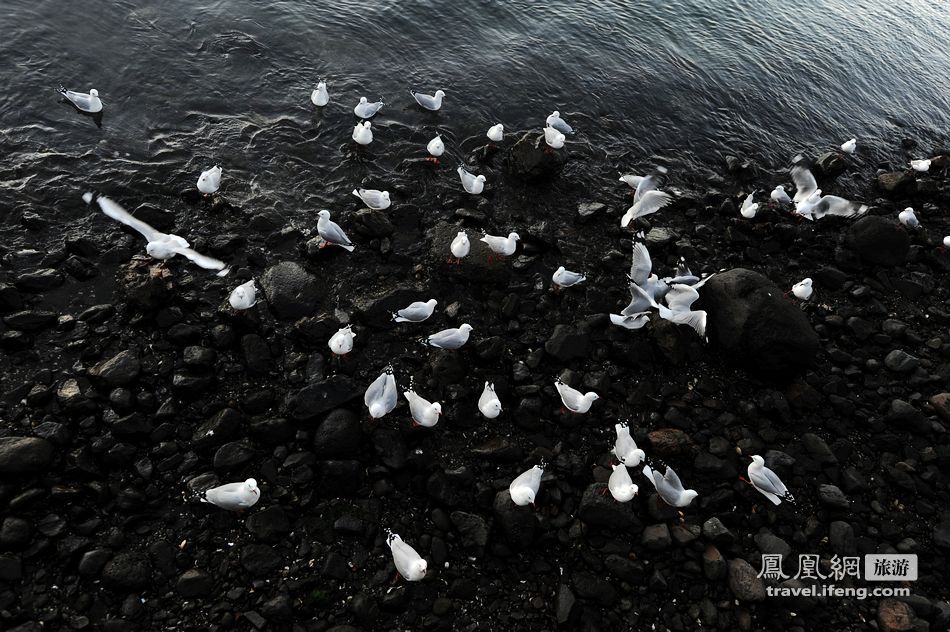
(409, 564)
(634, 321)
(779, 195)
(574, 400)
(233, 496)
(920, 165)
(382, 395)
(908, 218)
(803, 289)
(496, 133)
(625, 448)
(650, 202)
(488, 402)
(470, 182)
(373, 198)
(415, 312)
(452, 338)
(243, 296)
(362, 133)
(160, 245)
(210, 180)
(565, 278)
(460, 247)
(436, 148)
(524, 488)
(365, 110)
(749, 208)
(502, 246)
(767, 482)
(331, 232)
(431, 102)
(424, 413)
(341, 343)
(620, 485)
(320, 97)
(669, 487)
(86, 102)
(849, 146)
(553, 138)
(554, 120)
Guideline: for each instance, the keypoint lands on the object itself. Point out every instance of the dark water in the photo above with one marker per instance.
(189, 84)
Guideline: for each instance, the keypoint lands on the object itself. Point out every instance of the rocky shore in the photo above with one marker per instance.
(127, 387)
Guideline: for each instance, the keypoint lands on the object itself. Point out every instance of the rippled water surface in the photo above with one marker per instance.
(186, 84)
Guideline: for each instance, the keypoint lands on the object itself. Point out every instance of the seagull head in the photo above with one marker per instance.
(522, 496)
(512, 236)
(251, 485)
(362, 99)
(465, 327)
(418, 569)
(94, 93)
(439, 93)
(437, 407)
(324, 214)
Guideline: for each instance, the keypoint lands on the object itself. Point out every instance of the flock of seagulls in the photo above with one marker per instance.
(671, 298)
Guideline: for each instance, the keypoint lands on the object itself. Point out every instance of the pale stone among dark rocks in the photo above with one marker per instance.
(894, 616)
(879, 240)
(291, 291)
(832, 497)
(744, 582)
(941, 405)
(586, 209)
(749, 318)
(900, 361)
(24, 455)
(30, 320)
(39, 280)
(896, 182)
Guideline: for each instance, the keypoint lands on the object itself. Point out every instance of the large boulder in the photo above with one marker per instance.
(879, 240)
(291, 291)
(749, 318)
(24, 455)
(530, 158)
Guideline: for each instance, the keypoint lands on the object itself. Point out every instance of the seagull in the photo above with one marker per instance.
(160, 245)
(749, 208)
(381, 396)
(524, 488)
(341, 343)
(767, 482)
(805, 184)
(233, 496)
(365, 110)
(243, 296)
(677, 310)
(501, 246)
(460, 247)
(633, 321)
(553, 138)
(362, 133)
(819, 205)
(320, 96)
(803, 289)
(424, 413)
(849, 146)
(496, 133)
(946, 241)
(631, 180)
(331, 232)
(620, 485)
(415, 312)
(640, 301)
(210, 180)
(565, 278)
(435, 148)
(555, 121)
(908, 219)
(452, 338)
(470, 182)
(432, 102)
(669, 488)
(779, 195)
(373, 198)
(625, 448)
(488, 402)
(574, 400)
(650, 202)
(85, 102)
(645, 183)
(920, 165)
(409, 564)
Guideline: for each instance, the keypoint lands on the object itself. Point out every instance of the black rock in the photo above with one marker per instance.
(39, 280)
(338, 436)
(195, 583)
(530, 158)
(602, 510)
(260, 559)
(10, 299)
(371, 223)
(291, 291)
(24, 455)
(744, 581)
(833, 498)
(311, 401)
(30, 320)
(897, 182)
(127, 571)
(119, 370)
(879, 240)
(517, 523)
(219, 428)
(472, 528)
(269, 525)
(656, 537)
(15, 533)
(758, 328)
(566, 343)
(233, 455)
(92, 562)
(900, 361)
(830, 164)
(256, 354)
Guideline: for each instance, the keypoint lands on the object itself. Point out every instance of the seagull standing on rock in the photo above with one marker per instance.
(803, 289)
(501, 246)
(373, 198)
(409, 564)
(749, 208)
(381, 395)
(669, 487)
(470, 182)
(620, 485)
(554, 120)
(849, 146)
(767, 482)
(459, 247)
(908, 218)
(243, 296)
(921, 166)
(431, 102)
(565, 278)
(341, 343)
(524, 488)
(82, 101)
(625, 448)
(160, 245)
(496, 133)
(415, 312)
(424, 413)
(573, 400)
(331, 232)
(488, 402)
(553, 138)
(233, 496)
(210, 180)
(779, 196)
(452, 338)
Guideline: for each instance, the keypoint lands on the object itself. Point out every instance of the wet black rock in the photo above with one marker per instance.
(30, 320)
(567, 343)
(750, 319)
(291, 291)
(270, 524)
(338, 436)
(830, 164)
(260, 559)
(897, 182)
(15, 533)
(530, 158)
(119, 370)
(10, 298)
(832, 497)
(371, 223)
(127, 571)
(39, 280)
(195, 583)
(744, 583)
(472, 528)
(24, 455)
(233, 455)
(900, 361)
(879, 240)
(602, 510)
(312, 401)
(518, 524)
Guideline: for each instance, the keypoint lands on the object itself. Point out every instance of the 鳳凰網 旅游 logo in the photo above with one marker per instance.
(821, 575)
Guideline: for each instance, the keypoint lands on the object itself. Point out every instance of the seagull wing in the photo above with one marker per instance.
(206, 262)
(681, 297)
(672, 479)
(647, 183)
(805, 183)
(641, 265)
(834, 205)
(334, 234)
(651, 202)
(116, 212)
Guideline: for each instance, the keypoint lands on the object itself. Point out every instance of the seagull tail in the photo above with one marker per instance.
(224, 271)
(62, 89)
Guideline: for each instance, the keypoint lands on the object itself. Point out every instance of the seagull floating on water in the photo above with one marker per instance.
(320, 97)
(365, 110)
(233, 496)
(415, 312)
(488, 402)
(89, 103)
(210, 180)
(431, 102)
(470, 182)
(496, 133)
(409, 564)
(767, 482)
(524, 488)
(363, 133)
(554, 120)
(243, 296)
(381, 395)
(160, 245)
(373, 198)
(331, 232)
